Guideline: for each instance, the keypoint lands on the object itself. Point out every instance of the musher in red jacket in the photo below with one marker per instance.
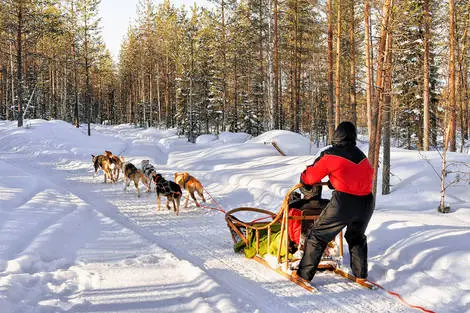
(351, 204)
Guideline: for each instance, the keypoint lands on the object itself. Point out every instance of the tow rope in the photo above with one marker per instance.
(401, 298)
(217, 207)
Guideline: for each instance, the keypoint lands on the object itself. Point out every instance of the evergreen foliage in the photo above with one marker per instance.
(213, 69)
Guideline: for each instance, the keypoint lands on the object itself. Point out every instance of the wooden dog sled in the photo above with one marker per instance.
(268, 227)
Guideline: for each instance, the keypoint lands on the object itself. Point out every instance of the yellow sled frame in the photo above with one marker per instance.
(282, 217)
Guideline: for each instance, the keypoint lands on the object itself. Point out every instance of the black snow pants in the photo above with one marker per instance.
(344, 210)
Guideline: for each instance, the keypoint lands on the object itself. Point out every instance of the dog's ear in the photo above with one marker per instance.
(185, 176)
(121, 158)
(176, 175)
(92, 156)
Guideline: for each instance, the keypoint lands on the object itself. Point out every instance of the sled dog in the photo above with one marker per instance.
(169, 189)
(102, 162)
(131, 173)
(116, 164)
(149, 171)
(190, 184)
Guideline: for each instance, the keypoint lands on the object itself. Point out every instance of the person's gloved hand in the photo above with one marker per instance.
(307, 191)
(295, 196)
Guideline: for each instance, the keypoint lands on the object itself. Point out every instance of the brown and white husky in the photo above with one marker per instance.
(102, 162)
(115, 164)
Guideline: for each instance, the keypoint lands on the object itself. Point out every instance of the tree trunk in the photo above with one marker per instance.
(281, 107)
(19, 63)
(352, 53)
(65, 111)
(167, 92)
(270, 70)
(452, 102)
(330, 109)
(276, 104)
(4, 91)
(442, 207)
(376, 131)
(142, 99)
(235, 97)
(87, 80)
(52, 93)
(442, 204)
(461, 83)
(159, 105)
(262, 74)
(291, 89)
(467, 100)
(338, 67)
(426, 76)
(369, 71)
(386, 119)
(297, 69)
(75, 79)
(151, 99)
(224, 69)
(12, 69)
(75, 70)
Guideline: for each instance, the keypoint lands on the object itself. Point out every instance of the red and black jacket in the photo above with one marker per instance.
(346, 165)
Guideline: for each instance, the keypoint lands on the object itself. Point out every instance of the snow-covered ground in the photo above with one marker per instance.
(70, 243)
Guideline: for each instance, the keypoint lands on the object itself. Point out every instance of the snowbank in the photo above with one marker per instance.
(289, 142)
(228, 137)
(206, 138)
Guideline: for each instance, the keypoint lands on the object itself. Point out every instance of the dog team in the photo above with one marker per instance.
(112, 165)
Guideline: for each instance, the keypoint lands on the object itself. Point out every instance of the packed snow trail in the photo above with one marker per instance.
(201, 238)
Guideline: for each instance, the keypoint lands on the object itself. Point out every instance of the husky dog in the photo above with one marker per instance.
(149, 171)
(190, 184)
(169, 189)
(102, 162)
(115, 164)
(131, 173)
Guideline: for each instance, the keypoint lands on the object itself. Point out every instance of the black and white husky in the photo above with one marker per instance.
(149, 171)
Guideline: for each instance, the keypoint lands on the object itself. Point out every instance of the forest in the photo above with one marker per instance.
(398, 69)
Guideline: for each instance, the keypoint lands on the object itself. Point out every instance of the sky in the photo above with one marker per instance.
(118, 15)
(71, 243)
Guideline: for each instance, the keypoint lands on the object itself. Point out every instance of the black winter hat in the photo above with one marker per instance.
(345, 133)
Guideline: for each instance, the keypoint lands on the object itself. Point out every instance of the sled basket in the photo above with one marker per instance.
(268, 225)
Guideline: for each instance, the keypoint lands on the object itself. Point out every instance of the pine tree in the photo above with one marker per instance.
(25, 22)
(88, 31)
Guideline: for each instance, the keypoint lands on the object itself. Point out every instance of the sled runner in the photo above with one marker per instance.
(268, 239)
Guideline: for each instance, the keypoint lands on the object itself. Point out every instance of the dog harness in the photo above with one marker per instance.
(186, 181)
(166, 186)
